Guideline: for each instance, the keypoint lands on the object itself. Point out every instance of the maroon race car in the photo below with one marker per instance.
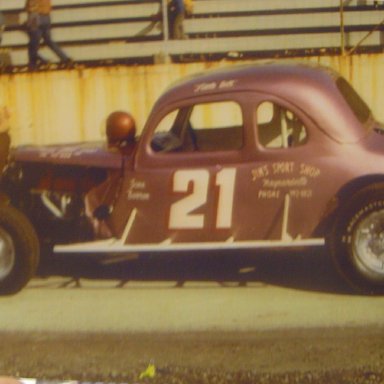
(255, 156)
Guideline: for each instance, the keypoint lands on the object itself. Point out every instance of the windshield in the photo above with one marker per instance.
(358, 106)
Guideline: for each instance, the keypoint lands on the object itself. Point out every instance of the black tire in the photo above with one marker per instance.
(19, 250)
(356, 240)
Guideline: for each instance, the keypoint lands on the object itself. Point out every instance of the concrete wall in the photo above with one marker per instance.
(72, 105)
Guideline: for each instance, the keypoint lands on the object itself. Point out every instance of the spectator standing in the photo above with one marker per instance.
(177, 10)
(2, 25)
(39, 27)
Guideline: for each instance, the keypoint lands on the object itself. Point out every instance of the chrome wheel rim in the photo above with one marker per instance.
(368, 244)
(7, 254)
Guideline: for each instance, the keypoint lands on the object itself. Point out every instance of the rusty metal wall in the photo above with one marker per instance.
(72, 105)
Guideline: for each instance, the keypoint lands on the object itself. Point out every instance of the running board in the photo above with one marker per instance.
(121, 245)
(115, 246)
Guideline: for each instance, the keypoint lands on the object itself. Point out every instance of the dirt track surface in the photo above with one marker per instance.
(289, 319)
(352, 355)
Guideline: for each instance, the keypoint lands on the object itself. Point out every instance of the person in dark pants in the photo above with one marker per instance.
(2, 26)
(39, 27)
(176, 16)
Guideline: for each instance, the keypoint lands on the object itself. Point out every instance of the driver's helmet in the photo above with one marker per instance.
(120, 128)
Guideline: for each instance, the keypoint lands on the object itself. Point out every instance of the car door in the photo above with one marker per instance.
(186, 192)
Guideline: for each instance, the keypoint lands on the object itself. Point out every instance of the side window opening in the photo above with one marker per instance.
(215, 126)
(170, 135)
(278, 127)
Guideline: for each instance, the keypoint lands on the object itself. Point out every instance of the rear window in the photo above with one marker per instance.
(358, 106)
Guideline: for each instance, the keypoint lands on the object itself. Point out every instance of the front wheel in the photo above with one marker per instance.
(357, 239)
(19, 250)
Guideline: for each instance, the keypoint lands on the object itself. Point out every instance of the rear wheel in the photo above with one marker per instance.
(19, 250)
(357, 239)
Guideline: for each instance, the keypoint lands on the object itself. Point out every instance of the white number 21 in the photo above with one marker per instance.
(181, 214)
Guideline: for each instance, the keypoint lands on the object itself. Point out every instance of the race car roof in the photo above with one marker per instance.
(310, 87)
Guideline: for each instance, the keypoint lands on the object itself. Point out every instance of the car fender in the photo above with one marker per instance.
(342, 196)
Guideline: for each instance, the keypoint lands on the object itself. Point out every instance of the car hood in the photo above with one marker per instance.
(85, 154)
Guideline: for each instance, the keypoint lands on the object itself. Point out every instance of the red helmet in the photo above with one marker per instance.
(120, 128)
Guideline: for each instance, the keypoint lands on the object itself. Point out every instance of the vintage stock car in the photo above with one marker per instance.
(275, 155)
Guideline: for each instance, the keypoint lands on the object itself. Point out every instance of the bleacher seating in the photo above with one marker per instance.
(99, 31)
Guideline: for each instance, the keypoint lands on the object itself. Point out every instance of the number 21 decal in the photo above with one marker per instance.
(181, 213)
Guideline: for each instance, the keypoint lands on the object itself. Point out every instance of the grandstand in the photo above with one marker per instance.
(99, 32)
